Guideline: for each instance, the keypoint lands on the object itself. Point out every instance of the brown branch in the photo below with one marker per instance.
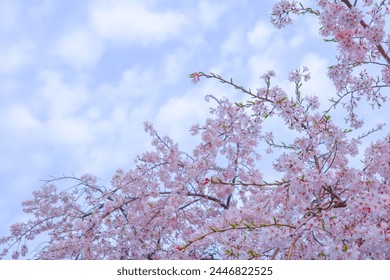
(214, 199)
(209, 198)
(245, 227)
(239, 183)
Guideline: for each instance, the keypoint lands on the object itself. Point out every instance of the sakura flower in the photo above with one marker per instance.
(195, 77)
(268, 75)
(297, 75)
(281, 13)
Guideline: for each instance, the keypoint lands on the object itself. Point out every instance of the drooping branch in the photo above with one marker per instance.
(245, 226)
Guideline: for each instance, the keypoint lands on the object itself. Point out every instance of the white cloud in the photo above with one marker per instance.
(19, 120)
(42, 8)
(124, 21)
(69, 131)
(296, 41)
(114, 139)
(15, 57)
(179, 113)
(319, 84)
(261, 34)
(58, 98)
(210, 12)
(260, 64)
(133, 83)
(312, 26)
(174, 64)
(79, 48)
(9, 13)
(270, 53)
(233, 44)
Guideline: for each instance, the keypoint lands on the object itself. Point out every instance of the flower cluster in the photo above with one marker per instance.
(217, 201)
(281, 13)
(359, 32)
(195, 77)
(297, 75)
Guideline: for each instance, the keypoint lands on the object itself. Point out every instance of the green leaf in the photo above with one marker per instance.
(229, 252)
(212, 229)
(252, 254)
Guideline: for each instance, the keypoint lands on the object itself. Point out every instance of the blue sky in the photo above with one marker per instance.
(79, 78)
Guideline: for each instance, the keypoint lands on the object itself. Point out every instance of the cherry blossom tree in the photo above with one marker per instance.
(215, 203)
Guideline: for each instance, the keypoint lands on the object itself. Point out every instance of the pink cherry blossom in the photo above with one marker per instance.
(218, 201)
(195, 77)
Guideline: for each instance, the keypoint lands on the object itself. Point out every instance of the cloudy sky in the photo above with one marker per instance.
(79, 78)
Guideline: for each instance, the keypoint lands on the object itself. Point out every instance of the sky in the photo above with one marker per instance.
(79, 78)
